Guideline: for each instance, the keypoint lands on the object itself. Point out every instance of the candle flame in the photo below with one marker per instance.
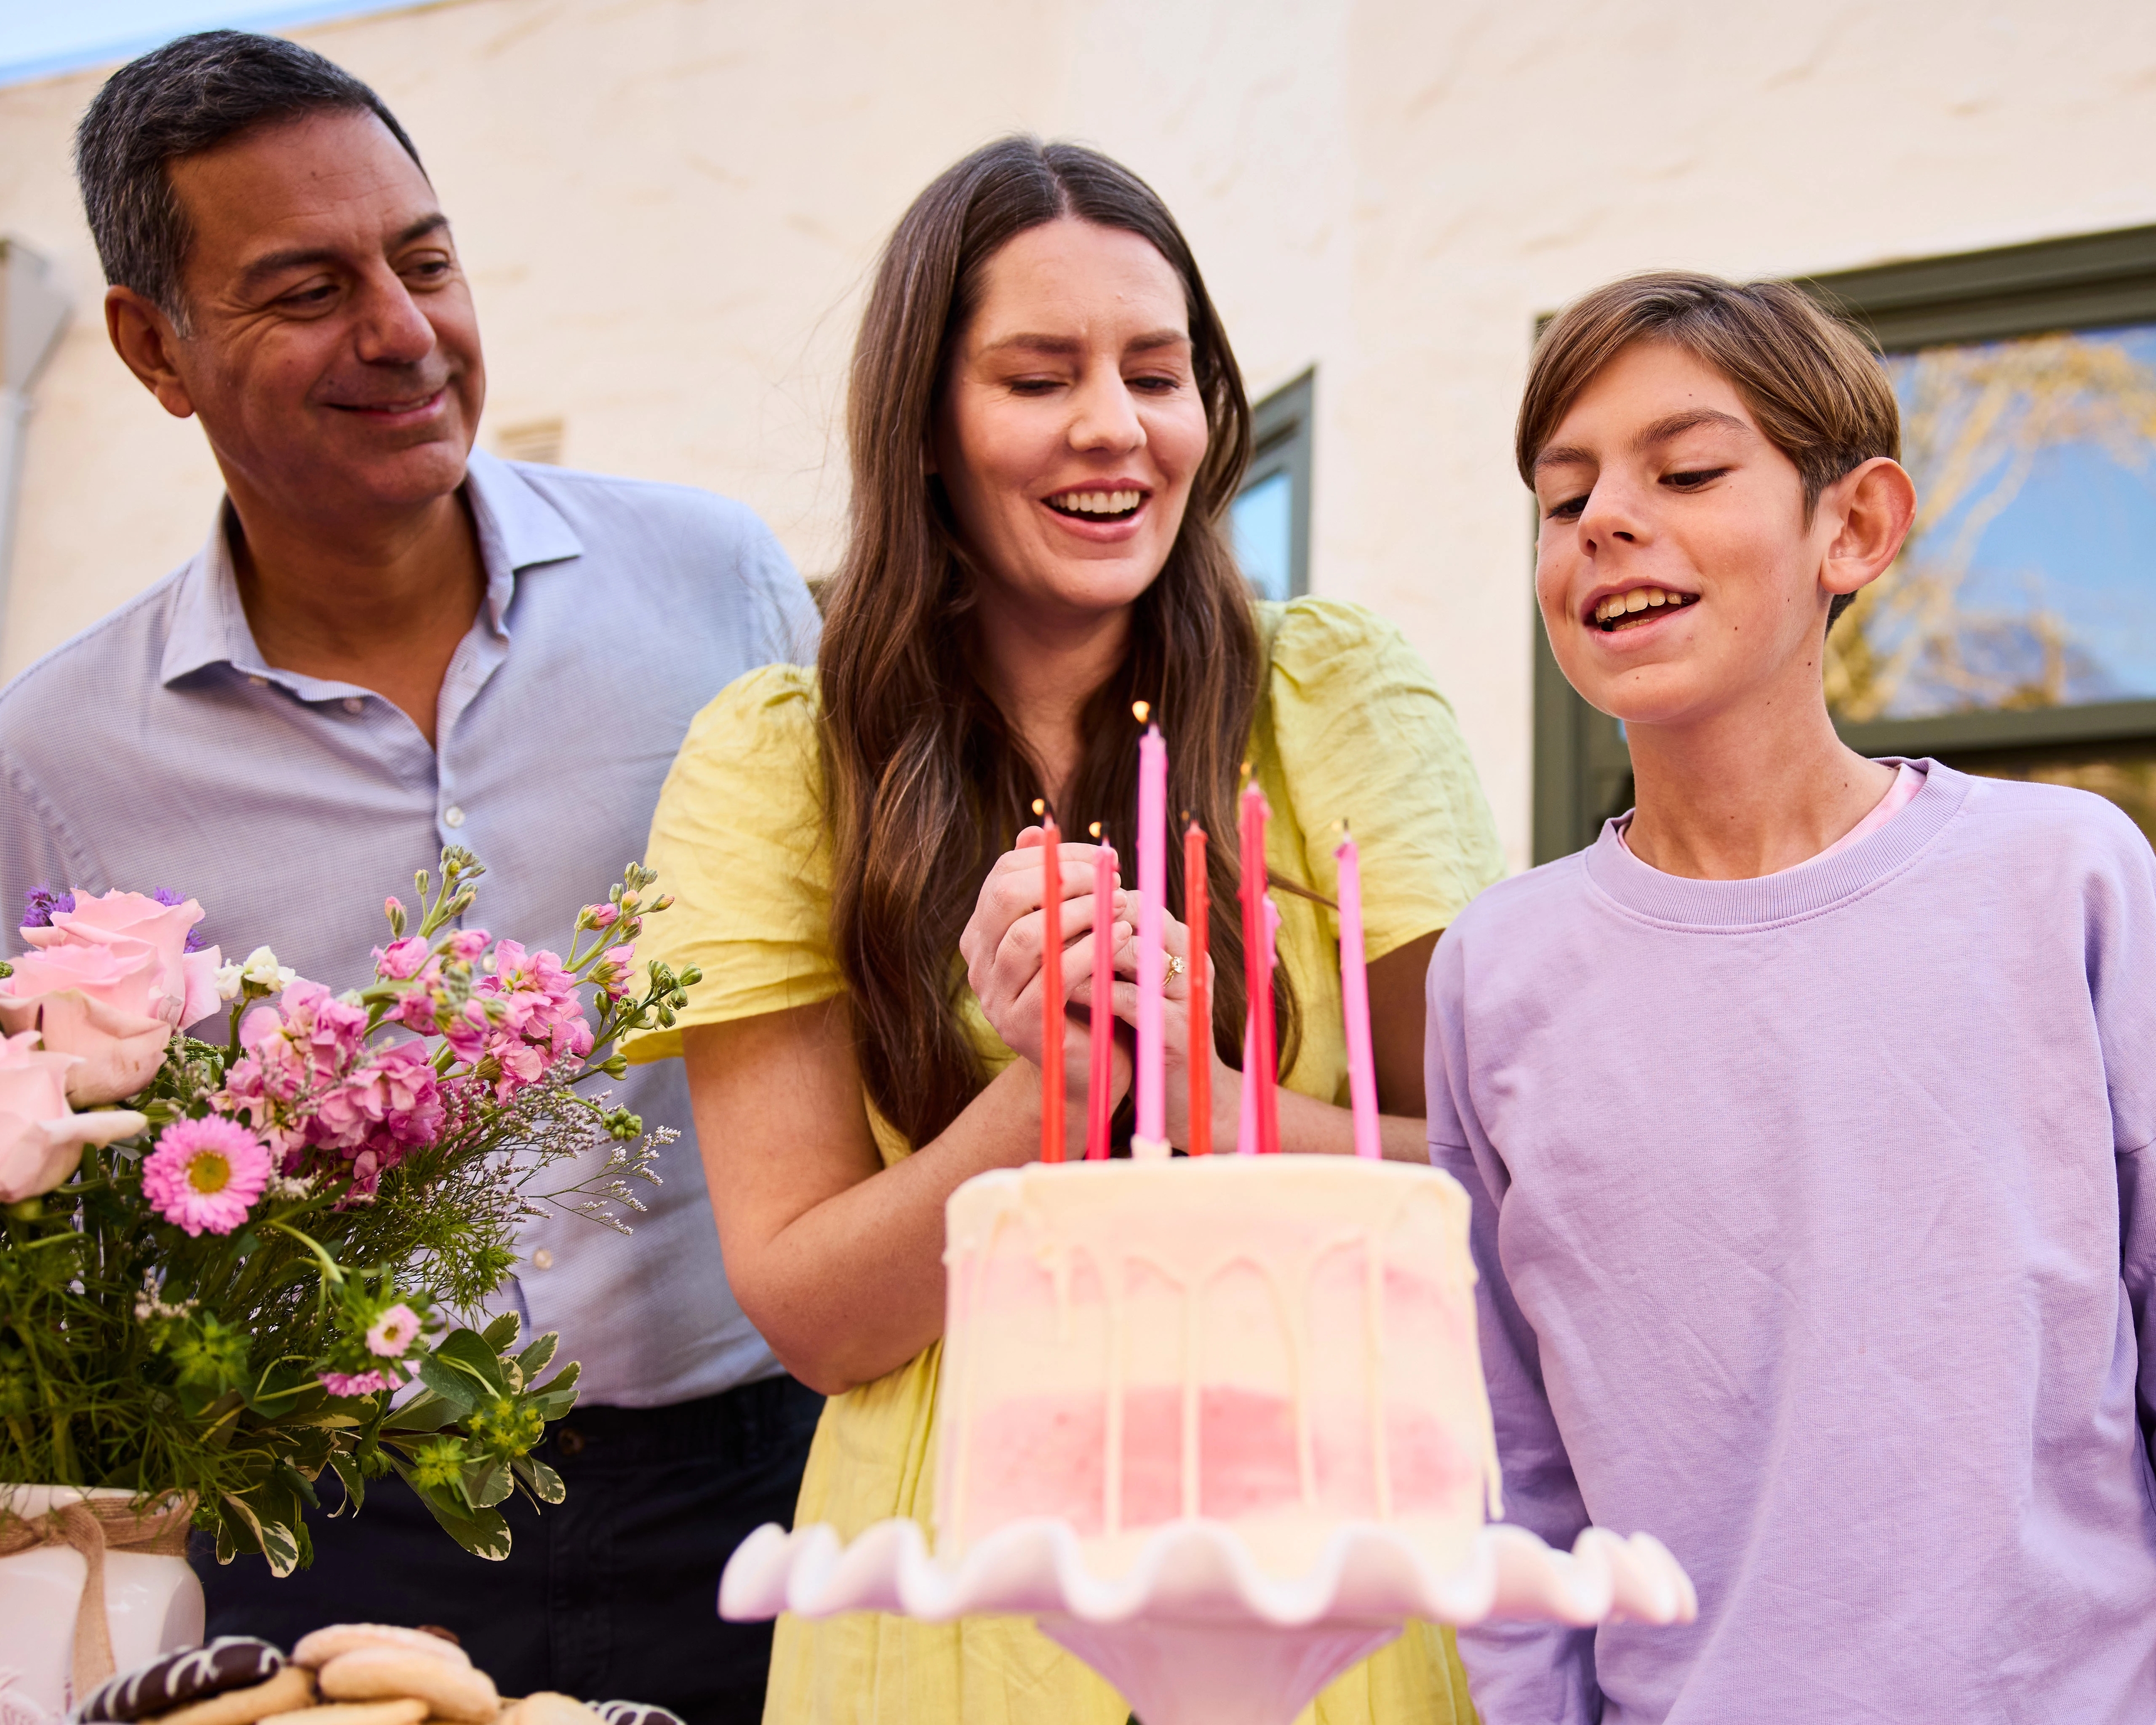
(1095, 829)
(1039, 807)
(1141, 711)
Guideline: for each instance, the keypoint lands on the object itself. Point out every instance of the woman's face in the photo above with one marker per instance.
(1071, 425)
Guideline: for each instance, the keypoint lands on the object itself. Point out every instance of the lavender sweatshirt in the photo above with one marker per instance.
(1815, 1240)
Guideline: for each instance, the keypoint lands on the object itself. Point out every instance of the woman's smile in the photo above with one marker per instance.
(1103, 512)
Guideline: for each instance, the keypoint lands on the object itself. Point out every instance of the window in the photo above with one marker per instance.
(2016, 634)
(1270, 518)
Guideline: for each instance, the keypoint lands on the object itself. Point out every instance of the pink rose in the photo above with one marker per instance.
(109, 982)
(92, 1003)
(41, 1139)
(124, 920)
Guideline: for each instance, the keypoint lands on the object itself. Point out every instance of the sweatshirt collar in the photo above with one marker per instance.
(1803, 891)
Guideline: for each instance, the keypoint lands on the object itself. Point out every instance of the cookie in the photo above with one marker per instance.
(545, 1708)
(318, 1649)
(454, 1691)
(294, 1686)
(173, 1680)
(634, 1712)
(398, 1711)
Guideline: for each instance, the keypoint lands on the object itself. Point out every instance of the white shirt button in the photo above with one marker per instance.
(453, 816)
(542, 1259)
(353, 704)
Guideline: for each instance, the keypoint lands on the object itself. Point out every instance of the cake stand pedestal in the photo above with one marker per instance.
(1196, 1634)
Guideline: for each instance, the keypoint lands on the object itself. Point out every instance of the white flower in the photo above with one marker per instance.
(262, 973)
(227, 982)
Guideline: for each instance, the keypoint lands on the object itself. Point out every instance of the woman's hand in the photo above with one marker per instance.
(1004, 940)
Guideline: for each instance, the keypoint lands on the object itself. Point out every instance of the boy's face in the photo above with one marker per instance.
(1675, 569)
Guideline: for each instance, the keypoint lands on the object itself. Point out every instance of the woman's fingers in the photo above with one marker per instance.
(1078, 964)
(1011, 891)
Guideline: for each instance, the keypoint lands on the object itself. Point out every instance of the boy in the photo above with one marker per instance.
(1803, 1114)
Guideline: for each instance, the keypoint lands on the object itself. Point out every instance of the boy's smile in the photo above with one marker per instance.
(1634, 607)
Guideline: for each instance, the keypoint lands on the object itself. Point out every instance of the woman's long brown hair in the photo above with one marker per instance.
(925, 783)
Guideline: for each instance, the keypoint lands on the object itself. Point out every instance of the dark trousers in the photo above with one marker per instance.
(610, 1595)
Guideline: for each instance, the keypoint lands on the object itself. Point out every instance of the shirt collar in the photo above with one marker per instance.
(518, 529)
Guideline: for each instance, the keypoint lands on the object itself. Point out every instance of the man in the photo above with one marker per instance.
(389, 643)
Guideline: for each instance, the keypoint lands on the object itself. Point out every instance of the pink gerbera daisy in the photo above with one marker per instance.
(393, 1332)
(204, 1174)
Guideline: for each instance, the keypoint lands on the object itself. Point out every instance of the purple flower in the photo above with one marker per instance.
(39, 903)
(172, 900)
(204, 1174)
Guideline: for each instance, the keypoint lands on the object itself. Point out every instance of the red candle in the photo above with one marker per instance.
(1259, 1060)
(1194, 908)
(1051, 988)
(1101, 1072)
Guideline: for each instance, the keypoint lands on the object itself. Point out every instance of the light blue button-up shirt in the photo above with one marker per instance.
(158, 749)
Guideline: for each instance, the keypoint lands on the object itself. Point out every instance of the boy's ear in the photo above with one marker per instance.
(1870, 509)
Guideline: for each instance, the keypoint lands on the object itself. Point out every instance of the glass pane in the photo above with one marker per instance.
(2029, 579)
(1263, 518)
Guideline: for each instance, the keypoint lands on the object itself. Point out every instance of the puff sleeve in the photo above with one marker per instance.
(738, 838)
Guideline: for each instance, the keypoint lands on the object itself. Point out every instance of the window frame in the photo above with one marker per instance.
(1283, 429)
(2090, 281)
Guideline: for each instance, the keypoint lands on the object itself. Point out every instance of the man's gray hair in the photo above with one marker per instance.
(191, 95)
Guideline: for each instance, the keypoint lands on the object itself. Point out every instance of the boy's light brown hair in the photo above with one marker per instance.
(1817, 389)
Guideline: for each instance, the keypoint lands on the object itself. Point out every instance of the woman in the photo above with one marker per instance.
(1047, 427)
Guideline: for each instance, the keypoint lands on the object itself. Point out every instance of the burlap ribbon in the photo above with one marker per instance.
(95, 1526)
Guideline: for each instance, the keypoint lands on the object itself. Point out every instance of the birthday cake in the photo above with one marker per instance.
(1280, 1343)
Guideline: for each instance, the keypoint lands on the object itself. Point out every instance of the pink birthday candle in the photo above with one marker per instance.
(1195, 915)
(1051, 987)
(1355, 1001)
(1152, 893)
(1259, 1057)
(1100, 1073)
(1249, 1127)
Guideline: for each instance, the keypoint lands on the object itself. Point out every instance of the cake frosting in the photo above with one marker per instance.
(1280, 1343)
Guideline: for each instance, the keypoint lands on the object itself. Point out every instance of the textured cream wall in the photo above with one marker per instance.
(668, 207)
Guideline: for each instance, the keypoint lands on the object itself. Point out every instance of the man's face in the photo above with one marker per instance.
(333, 354)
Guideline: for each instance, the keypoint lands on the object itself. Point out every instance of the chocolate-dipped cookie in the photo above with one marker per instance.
(294, 1686)
(174, 1680)
(634, 1713)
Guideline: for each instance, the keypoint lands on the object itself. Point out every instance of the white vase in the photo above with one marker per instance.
(152, 1604)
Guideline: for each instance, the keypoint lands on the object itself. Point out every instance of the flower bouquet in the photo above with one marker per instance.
(224, 1262)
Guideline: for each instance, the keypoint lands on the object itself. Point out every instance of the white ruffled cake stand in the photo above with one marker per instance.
(1197, 1634)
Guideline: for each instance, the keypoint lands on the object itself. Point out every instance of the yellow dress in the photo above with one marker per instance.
(1350, 725)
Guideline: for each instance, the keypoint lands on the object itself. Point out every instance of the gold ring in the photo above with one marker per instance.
(1175, 969)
